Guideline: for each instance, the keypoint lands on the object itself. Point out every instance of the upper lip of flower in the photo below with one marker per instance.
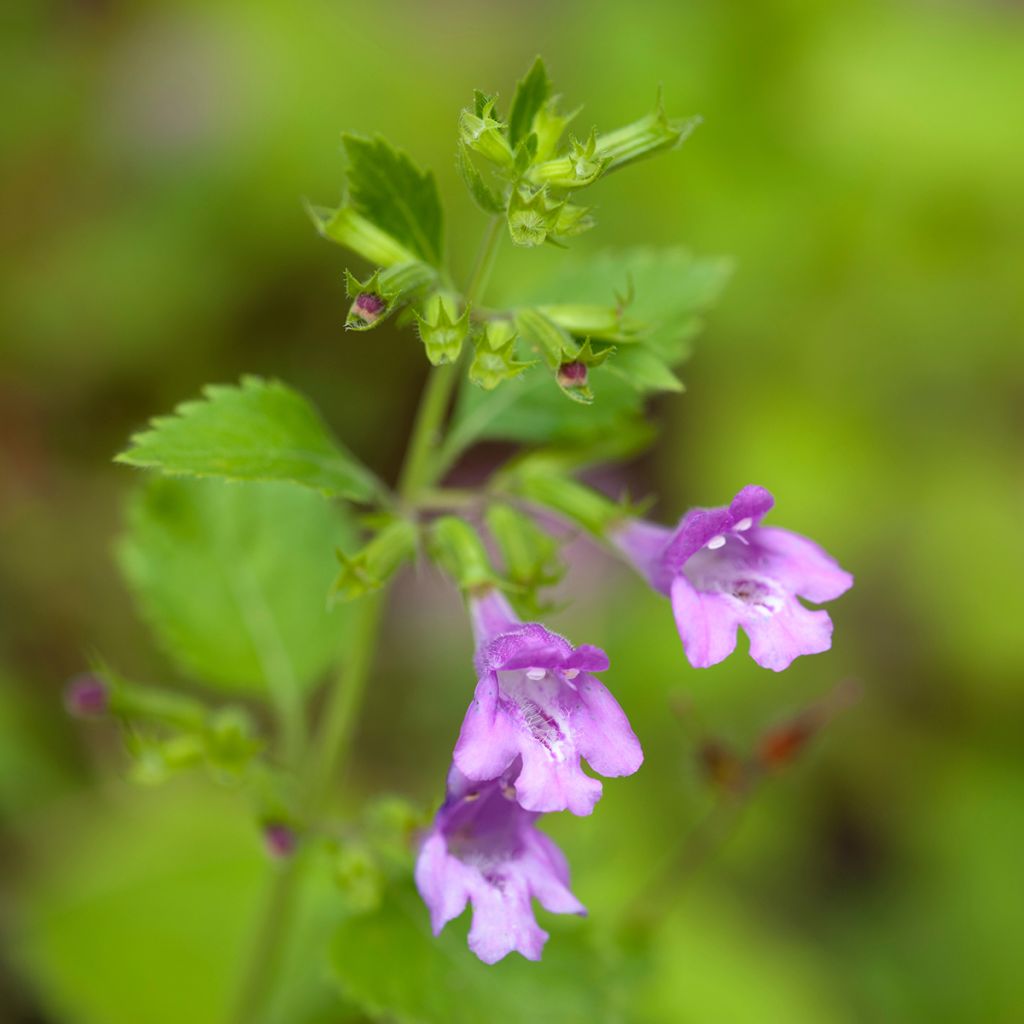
(701, 526)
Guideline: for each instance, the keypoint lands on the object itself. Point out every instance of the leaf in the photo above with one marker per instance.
(232, 579)
(644, 370)
(155, 910)
(483, 195)
(662, 290)
(387, 188)
(260, 430)
(531, 92)
(390, 966)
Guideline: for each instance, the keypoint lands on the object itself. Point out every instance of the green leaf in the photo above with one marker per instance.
(391, 967)
(663, 290)
(483, 195)
(232, 578)
(260, 430)
(531, 92)
(644, 370)
(347, 228)
(387, 188)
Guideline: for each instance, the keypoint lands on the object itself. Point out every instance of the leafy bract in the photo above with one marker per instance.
(531, 92)
(232, 579)
(390, 191)
(260, 430)
(483, 194)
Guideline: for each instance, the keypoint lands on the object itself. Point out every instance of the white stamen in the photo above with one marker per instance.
(744, 524)
(716, 542)
(535, 673)
(571, 673)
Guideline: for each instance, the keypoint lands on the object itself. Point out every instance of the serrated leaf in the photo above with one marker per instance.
(260, 430)
(232, 578)
(483, 195)
(531, 93)
(387, 188)
(388, 964)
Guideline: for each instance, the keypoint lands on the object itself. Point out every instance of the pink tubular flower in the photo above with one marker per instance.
(537, 705)
(723, 570)
(485, 849)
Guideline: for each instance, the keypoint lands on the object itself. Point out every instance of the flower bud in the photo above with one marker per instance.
(280, 840)
(572, 375)
(87, 696)
(367, 309)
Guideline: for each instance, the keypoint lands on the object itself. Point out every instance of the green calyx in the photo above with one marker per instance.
(375, 299)
(370, 568)
(442, 332)
(494, 360)
(459, 550)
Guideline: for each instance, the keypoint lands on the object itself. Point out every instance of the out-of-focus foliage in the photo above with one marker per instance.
(858, 163)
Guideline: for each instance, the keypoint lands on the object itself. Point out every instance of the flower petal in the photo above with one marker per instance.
(441, 881)
(547, 871)
(548, 784)
(707, 624)
(775, 640)
(801, 566)
(503, 920)
(700, 525)
(487, 742)
(603, 733)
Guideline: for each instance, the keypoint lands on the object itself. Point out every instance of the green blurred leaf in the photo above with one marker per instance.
(156, 911)
(390, 965)
(387, 188)
(663, 290)
(232, 579)
(531, 92)
(644, 370)
(260, 430)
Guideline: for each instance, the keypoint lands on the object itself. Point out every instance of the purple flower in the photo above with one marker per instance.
(537, 706)
(724, 570)
(485, 849)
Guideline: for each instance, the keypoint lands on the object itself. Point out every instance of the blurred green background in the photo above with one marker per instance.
(862, 162)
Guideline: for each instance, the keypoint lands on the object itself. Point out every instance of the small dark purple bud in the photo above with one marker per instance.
(367, 307)
(572, 375)
(87, 696)
(279, 839)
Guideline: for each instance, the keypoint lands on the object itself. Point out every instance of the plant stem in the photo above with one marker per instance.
(332, 740)
(418, 471)
(266, 953)
(344, 702)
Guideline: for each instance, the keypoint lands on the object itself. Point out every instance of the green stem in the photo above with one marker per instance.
(420, 469)
(332, 740)
(344, 702)
(265, 956)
